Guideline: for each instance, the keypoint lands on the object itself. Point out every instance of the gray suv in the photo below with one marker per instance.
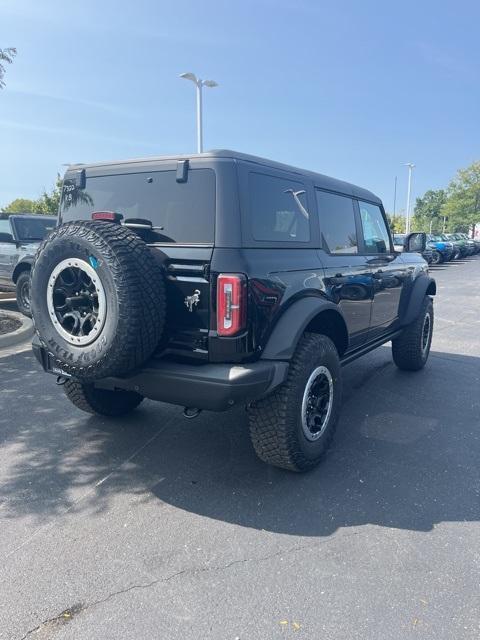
(20, 236)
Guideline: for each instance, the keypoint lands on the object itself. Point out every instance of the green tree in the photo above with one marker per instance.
(6, 56)
(428, 210)
(20, 205)
(48, 203)
(463, 205)
(396, 222)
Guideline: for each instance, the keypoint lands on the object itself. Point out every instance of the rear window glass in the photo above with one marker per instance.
(181, 212)
(34, 229)
(278, 209)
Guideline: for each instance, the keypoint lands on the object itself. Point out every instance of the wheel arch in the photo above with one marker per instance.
(423, 286)
(309, 314)
(20, 267)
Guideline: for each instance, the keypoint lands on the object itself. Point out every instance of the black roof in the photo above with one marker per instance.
(320, 180)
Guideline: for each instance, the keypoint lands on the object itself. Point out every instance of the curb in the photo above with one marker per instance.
(20, 335)
(8, 296)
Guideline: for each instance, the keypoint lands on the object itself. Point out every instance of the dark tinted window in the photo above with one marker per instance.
(182, 212)
(34, 229)
(337, 223)
(375, 233)
(278, 209)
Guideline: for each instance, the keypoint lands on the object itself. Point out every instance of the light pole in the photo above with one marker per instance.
(199, 83)
(410, 166)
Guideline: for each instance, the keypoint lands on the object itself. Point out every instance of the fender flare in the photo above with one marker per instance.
(292, 323)
(24, 265)
(422, 286)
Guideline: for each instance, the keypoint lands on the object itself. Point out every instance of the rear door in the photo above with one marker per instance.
(180, 205)
(348, 277)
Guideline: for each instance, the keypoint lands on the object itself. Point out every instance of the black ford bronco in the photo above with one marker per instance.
(221, 279)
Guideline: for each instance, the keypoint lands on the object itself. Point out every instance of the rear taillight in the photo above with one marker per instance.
(109, 216)
(231, 303)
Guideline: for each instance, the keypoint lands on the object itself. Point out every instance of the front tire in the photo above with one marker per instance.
(437, 257)
(101, 401)
(293, 427)
(411, 349)
(23, 293)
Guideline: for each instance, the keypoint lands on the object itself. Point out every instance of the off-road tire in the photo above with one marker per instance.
(101, 401)
(23, 293)
(437, 257)
(276, 421)
(134, 290)
(409, 350)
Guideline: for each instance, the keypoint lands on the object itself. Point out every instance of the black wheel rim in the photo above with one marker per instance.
(25, 294)
(317, 403)
(76, 301)
(426, 330)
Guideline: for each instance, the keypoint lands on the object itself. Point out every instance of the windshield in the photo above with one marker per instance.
(180, 212)
(33, 229)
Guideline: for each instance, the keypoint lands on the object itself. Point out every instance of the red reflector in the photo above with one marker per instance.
(231, 303)
(110, 216)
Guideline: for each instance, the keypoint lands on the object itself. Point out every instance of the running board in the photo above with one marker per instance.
(350, 356)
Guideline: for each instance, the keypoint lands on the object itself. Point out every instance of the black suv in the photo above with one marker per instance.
(222, 279)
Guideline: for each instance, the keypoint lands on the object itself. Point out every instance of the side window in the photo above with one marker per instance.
(375, 231)
(278, 209)
(337, 222)
(5, 226)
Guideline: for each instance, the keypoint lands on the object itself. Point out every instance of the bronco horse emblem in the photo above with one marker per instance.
(193, 300)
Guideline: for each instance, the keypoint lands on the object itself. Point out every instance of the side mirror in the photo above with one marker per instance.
(415, 242)
(7, 237)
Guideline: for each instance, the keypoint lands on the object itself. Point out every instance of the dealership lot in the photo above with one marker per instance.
(158, 527)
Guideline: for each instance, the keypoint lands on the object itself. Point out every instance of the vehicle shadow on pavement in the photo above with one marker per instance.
(405, 456)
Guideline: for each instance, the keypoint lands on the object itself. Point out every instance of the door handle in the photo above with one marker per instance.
(380, 260)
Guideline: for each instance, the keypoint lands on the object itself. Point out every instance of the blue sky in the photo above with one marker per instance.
(351, 89)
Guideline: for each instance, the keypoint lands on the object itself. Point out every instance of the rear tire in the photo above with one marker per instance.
(293, 427)
(411, 349)
(23, 293)
(101, 401)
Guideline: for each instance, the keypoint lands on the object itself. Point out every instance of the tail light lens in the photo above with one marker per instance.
(109, 216)
(231, 303)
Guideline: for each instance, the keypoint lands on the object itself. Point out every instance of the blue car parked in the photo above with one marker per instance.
(442, 250)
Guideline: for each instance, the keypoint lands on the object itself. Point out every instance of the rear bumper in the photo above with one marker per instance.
(215, 387)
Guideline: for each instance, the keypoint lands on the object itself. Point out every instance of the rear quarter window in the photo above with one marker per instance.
(278, 209)
(181, 212)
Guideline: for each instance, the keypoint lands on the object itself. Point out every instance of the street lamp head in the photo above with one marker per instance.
(409, 164)
(210, 83)
(189, 76)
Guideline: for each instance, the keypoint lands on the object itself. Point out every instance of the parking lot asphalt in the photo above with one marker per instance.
(157, 527)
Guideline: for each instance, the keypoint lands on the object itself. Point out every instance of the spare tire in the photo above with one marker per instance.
(98, 299)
